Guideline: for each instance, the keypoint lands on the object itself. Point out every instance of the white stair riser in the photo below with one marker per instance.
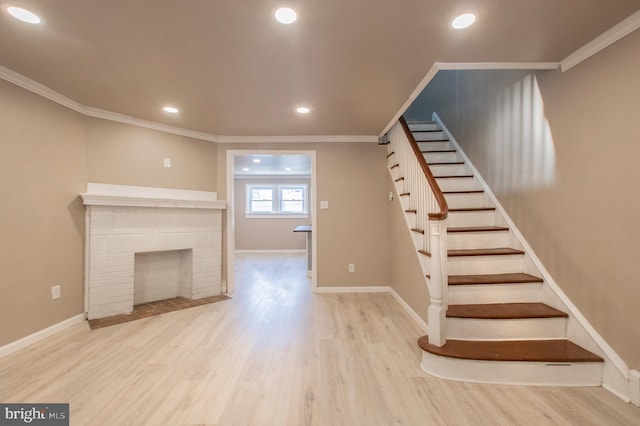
(429, 136)
(516, 373)
(450, 170)
(441, 157)
(476, 265)
(411, 219)
(418, 240)
(506, 329)
(467, 200)
(423, 126)
(495, 293)
(458, 184)
(429, 146)
(476, 218)
(470, 240)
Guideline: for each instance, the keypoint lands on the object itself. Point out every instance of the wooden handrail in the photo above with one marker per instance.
(437, 192)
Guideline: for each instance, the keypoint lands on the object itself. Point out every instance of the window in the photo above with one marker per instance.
(287, 200)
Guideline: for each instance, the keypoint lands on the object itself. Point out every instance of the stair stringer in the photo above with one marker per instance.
(615, 374)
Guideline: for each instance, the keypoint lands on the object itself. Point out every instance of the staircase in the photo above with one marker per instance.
(499, 326)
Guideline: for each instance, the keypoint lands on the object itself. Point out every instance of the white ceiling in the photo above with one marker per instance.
(272, 165)
(232, 70)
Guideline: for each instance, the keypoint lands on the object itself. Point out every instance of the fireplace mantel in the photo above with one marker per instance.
(100, 194)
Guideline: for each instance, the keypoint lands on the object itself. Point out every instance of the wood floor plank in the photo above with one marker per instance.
(276, 354)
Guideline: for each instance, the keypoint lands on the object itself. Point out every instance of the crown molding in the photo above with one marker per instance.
(497, 65)
(297, 139)
(604, 40)
(166, 128)
(40, 89)
(44, 91)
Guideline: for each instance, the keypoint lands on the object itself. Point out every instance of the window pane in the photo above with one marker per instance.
(292, 206)
(292, 194)
(261, 206)
(261, 194)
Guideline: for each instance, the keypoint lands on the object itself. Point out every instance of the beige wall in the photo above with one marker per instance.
(42, 171)
(352, 177)
(578, 203)
(407, 278)
(48, 153)
(128, 155)
(267, 233)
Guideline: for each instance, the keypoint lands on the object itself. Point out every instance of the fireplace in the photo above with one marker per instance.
(163, 229)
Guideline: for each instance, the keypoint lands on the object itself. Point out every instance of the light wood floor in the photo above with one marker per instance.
(277, 355)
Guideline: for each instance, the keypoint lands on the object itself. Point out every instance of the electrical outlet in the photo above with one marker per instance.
(352, 267)
(166, 162)
(55, 292)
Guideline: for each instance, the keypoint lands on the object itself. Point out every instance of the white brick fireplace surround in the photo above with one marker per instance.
(122, 221)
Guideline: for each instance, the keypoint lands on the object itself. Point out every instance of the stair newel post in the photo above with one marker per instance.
(437, 312)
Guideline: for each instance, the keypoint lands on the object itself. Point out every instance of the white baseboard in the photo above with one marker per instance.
(354, 289)
(12, 347)
(634, 387)
(241, 252)
(421, 323)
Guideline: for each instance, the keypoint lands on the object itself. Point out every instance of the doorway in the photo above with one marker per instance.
(273, 157)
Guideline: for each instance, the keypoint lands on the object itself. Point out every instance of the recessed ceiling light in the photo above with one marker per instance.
(285, 15)
(170, 109)
(303, 110)
(245, 169)
(463, 21)
(23, 15)
(287, 169)
(256, 160)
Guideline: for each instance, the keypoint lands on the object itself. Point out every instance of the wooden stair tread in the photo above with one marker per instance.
(549, 351)
(446, 163)
(516, 278)
(477, 229)
(472, 209)
(472, 191)
(502, 251)
(504, 311)
(453, 176)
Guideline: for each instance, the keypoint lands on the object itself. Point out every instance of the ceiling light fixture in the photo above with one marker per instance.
(287, 169)
(170, 109)
(24, 15)
(256, 160)
(245, 169)
(303, 110)
(285, 15)
(463, 21)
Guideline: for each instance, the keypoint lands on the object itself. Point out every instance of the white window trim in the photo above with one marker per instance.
(277, 214)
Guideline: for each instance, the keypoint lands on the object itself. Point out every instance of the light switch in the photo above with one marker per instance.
(166, 162)
(324, 204)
